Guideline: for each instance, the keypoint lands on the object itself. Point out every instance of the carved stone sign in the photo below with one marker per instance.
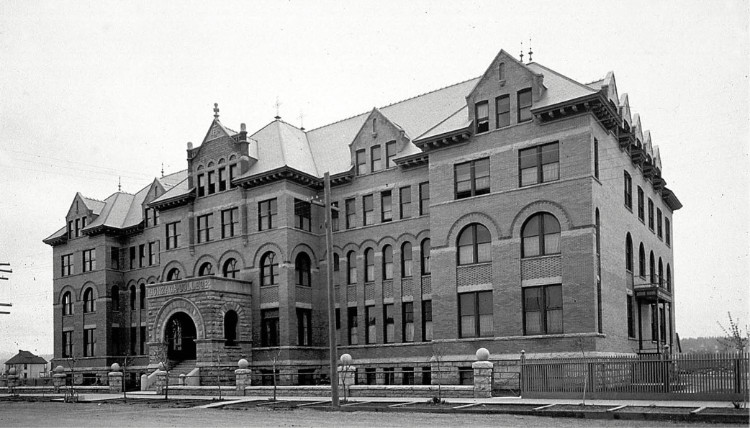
(183, 287)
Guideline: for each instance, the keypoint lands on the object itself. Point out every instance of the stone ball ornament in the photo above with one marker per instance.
(115, 367)
(243, 364)
(12, 371)
(346, 359)
(483, 354)
(59, 369)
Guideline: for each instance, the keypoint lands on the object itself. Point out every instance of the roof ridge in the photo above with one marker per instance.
(440, 123)
(397, 102)
(564, 76)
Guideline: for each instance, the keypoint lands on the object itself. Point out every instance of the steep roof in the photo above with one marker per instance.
(560, 88)
(25, 357)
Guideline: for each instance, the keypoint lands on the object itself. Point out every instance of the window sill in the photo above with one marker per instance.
(530, 186)
(628, 208)
(541, 256)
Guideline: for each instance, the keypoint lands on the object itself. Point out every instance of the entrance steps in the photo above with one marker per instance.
(182, 367)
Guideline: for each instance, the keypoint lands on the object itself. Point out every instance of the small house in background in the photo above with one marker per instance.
(27, 365)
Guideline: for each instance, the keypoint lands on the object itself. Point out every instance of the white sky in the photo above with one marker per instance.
(93, 91)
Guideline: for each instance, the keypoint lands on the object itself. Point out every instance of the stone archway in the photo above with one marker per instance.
(179, 335)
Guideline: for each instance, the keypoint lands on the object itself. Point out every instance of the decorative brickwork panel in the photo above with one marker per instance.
(387, 289)
(543, 267)
(351, 293)
(269, 294)
(474, 275)
(406, 286)
(370, 291)
(426, 284)
(337, 292)
(304, 294)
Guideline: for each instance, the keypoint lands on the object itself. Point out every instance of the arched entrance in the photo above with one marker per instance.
(180, 335)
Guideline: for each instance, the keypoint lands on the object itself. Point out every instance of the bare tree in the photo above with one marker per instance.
(71, 396)
(438, 357)
(733, 336)
(274, 362)
(162, 355)
(586, 367)
(125, 362)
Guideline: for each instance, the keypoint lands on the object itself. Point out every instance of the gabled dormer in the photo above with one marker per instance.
(151, 215)
(82, 212)
(624, 110)
(377, 144)
(504, 94)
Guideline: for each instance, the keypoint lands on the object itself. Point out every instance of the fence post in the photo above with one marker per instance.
(58, 379)
(482, 374)
(242, 376)
(115, 379)
(521, 379)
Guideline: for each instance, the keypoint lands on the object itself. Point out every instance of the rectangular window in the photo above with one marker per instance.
(83, 223)
(524, 105)
(407, 321)
(89, 260)
(351, 315)
(542, 310)
(89, 342)
(172, 235)
(304, 329)
(426, 375)
(142, 255)
(371, 334)
(368, 210)
(232, 175)
(389, 334)
(596, 158)
(376, 159)
(114, 258)
(465, 376)
(211, 182)
(475, 314)
(229, 222)
(404, 200)
(390, 154)
(78, 228)
(70, 229)
(426, 320)
(424, 198)
(658, 223)
(361, 158)
(147, 215)
(472, 178)
(631, 322)
(132, 257)
(204, 228)
(222, 179)
(338, 325)
(156, 216)
(142, 341)
(408, 376)
(667, 231)
(133, 339)
(628, 188)
(302, 214)
(502, 111)
(67, 264)
(482, 116)
(152, 253)
(386, 206)
(650, 214)
(539, 164)
(351, 213)
(335, 226)
(201, 185)
(269, 327)
(389, 377)
(267, 212)
(640, 204)
(67, 344)
(370, 376)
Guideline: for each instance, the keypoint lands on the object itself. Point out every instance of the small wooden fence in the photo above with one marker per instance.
(662, 377)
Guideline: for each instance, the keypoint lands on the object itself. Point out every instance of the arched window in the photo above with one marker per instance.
(425, 254)
(628, 253)
(387, 262)
(351, 266)
(302, 269)
(88, 300)
(501, 71)
(474, 245)
(641, 261)
(406, 260)
(230, 328)
(142, 289)
(661, 274)
(206, 269)
(540, 236)
(369, 265)
(230, 269)
(669, 278)
(173, 275)
(115, 298)
(651, 269)
(67, 303)
(132, 297)
(269, 269)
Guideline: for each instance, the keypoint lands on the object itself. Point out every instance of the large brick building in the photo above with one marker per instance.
(520, 210)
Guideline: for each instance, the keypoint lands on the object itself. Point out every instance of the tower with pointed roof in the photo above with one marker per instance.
(520, 209)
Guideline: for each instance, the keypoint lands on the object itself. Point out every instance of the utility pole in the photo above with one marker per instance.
(5, 278)
(332, 349)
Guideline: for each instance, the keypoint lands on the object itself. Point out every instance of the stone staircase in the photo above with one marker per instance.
(182, 367)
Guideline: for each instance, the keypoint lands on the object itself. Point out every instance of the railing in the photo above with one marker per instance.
(652, 376)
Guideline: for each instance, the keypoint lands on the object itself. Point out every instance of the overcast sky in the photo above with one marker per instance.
(93, 91)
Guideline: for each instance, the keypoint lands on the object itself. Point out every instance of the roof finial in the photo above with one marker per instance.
(530, 52)
(277, 105)
(216, 110)
(119, 184)
(521, 51)
(162, 170)
(301, 120)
